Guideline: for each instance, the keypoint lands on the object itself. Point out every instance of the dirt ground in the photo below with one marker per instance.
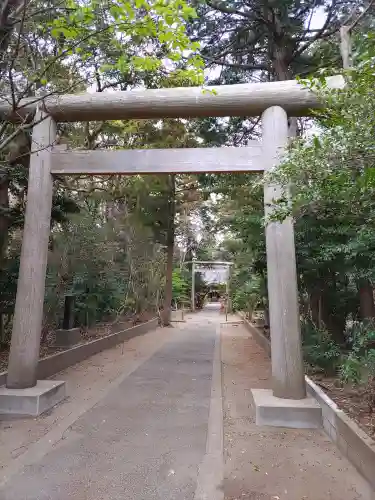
(47, 348)
(263, 463)
(352, 400)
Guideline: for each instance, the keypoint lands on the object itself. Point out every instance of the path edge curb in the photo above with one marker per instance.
(210, 480)
(49, 366)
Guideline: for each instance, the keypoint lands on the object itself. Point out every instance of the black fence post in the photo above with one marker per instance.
(68, 321)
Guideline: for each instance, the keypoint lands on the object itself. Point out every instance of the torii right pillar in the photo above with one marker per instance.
(286, 405)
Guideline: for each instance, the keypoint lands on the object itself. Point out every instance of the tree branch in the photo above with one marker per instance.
(255, 67)
(226, 10)
(361, 16)
(319, 34)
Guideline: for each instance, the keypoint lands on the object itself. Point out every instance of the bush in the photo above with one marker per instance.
(320, 350)
(112, 268)
(350, 370)
(248, 296)
(358, 366)
(180, 287)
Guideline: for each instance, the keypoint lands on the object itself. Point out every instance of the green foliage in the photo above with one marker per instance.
(332, 203)
(247, 295)
(180, 287)
(361, 336)
(68, 47)
(328, 188)
(359, 364)
(8, 282)
(111, 265)
(114, 38)
(240, 213)
(82, 263)
(320, 350)
(252, 39)
(351, 370)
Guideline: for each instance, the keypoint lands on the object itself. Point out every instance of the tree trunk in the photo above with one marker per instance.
(333, 322)
(280, 63)
(2, 331)
(18, 154)
(4, 216)
(366, 298)
(10, 10)
(5, 32)
(170, 249)
(315, 308)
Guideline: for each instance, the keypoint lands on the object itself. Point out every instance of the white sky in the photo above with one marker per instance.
(318, 18)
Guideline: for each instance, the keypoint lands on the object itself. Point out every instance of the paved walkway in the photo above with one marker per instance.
(146, 423)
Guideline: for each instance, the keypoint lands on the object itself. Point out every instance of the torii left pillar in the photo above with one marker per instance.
(24, 394)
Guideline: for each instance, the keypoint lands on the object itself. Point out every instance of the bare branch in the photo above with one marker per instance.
(226, 10)
(15, 55)
(362, 15)
(22, 128)
(320, 32)
(346, 47)
(259, 67)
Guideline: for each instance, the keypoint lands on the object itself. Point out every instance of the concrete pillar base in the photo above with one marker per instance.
(67, 338)
(293, 413)
(177, 317)
(33, 401)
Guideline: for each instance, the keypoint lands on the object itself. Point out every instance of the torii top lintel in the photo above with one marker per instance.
(249, 99)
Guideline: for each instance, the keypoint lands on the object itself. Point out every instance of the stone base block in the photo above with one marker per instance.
(293, 413)
(33, 401)
(67, 338)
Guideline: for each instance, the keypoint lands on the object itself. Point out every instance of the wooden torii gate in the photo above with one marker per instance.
(195, 264)
(274, 101)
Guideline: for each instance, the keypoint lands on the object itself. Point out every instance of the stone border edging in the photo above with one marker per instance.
(211, 468)
(259, 338)
(61, 360)
(350, 439)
